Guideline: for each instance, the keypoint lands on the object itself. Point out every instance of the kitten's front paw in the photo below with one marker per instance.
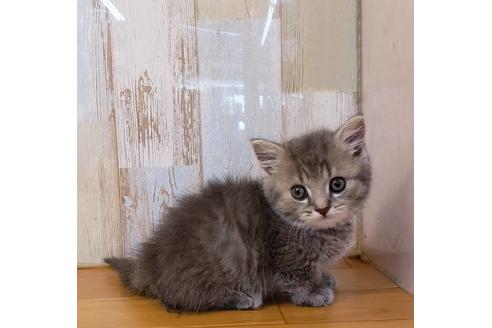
(328, 280)
(319, 297)
(244, 302)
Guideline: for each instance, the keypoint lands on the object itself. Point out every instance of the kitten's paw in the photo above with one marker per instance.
(329, 281)
(320, 297)
(245, 302)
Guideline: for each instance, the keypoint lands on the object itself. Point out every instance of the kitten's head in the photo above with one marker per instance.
(319, 179)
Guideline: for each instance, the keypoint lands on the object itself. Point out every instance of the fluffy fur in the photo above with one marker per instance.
(238, 241)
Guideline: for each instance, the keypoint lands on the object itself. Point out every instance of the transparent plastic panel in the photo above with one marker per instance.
(170, 92)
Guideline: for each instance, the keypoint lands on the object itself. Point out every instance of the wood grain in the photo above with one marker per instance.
(339, 324)
(360, 279)
(99, 230)
(95, 82)
(360, 305)
(142, 70)
(227, 10)
(155, 72)
(329, 45)
(314, 110)
(154, 68)
(179, 87)
(182, 16)
(150, 313)
(356, 262)
(319, 68)
(146, 192)
(102, 284)
(319, 45)
(341, 264)
(292, 50)
(104, 302)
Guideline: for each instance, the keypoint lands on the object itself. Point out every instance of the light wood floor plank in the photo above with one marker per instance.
(144, 313)
(100, 283)
(103, 282)
(363, 305)
(361, 278)
(364, 297)
(342, 264)
(356, 262)
(351, 324)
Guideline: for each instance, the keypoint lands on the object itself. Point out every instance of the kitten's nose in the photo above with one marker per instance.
(322, 211)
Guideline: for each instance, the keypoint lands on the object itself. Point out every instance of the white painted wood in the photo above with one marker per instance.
(157, 115)
(313, 110)
(95, 85)
(319, 67)
(146, 194)
(143, 79)
(99, 229)
(136, 72)
(170, 92)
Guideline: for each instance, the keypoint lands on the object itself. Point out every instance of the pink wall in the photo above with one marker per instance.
(387, 104)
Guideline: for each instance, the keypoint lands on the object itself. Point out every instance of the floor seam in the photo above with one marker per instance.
(280, 310)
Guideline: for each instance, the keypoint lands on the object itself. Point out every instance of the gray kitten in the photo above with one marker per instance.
(237, 242)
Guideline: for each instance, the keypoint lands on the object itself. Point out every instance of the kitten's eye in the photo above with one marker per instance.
(298, 192)
(337, 184)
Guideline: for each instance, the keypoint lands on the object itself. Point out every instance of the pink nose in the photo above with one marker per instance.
(322, 211)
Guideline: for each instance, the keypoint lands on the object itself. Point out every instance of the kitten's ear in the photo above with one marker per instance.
(351, 135)
(268, 153)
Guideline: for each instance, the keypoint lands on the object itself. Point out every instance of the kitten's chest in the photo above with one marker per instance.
(317, 247)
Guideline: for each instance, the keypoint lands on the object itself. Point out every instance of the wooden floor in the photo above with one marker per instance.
(364, 298)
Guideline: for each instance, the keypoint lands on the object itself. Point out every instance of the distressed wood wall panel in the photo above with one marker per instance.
(329, 44)
(291, 31)
(239, 88)
(157, 116)
(231, 10)
(145, 196)
(99, 228)
(183, 41)
(312, 110)
(319, 45)
(138, 73)
(319, 66)
(170, 92)
(95, 87)
(143, 74)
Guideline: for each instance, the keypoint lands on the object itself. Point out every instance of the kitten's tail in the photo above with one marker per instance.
(125, 267)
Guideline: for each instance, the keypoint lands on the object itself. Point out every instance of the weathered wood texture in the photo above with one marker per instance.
(319, 66)
(99, 228)
(139, 73)
(171, 91)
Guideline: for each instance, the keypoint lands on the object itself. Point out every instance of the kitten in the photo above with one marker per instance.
(237, 242)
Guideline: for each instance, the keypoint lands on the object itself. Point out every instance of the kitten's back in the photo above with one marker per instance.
(206, 244)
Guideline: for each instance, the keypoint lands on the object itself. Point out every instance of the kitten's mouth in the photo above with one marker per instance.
(330, 215)
(327, 221)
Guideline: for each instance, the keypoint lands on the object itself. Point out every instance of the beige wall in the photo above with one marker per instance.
(387, 104)
(170, 92)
